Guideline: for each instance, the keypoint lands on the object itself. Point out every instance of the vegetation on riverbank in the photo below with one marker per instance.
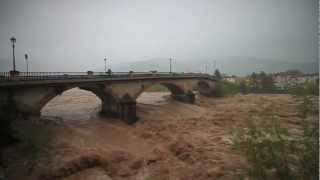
(263, 83)
(274, 151)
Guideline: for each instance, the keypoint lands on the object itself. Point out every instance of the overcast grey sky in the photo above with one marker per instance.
(75, 35)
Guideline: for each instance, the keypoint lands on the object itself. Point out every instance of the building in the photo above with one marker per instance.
(285, 81)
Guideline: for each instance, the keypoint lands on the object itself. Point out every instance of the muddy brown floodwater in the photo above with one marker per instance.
(171, 140)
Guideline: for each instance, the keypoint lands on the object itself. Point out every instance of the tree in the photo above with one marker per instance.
(261, 82)
(243, 87)
(267, 82)
(254, 81)
(217, 74)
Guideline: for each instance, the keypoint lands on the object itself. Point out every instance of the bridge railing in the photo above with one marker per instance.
(31, 76)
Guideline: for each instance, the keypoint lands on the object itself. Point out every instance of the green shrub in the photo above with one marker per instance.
(265, 144)
(225, 88)
(305, 89)
(308, 109)
(309, 164)
(271, 148)
(243, 88)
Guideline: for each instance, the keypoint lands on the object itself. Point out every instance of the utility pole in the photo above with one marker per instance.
(13, 41)
(205, 69)
(170, 60)
(105, 64)
(27, 63)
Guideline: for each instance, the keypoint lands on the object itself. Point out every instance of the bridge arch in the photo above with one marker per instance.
(30, 102)
(51, 94)
(72, 104)
(174, 89)
(179, 91)
(204, 88)
(153, 94)
(171, 87)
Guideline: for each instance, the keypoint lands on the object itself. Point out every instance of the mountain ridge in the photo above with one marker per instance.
(232, 65)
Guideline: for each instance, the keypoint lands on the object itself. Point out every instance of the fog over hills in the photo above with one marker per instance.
(242, 36)
(230, 65)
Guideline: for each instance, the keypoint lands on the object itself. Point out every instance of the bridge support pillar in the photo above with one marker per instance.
(110, 109)
(188, 97)
(125, 109)
(128, 110)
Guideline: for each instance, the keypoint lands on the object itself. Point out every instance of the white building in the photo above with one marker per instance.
(231, 79)
(284, 81)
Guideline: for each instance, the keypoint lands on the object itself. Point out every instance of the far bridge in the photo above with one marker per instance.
(27, 93)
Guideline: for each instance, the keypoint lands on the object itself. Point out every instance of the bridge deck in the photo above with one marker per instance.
(37, 78)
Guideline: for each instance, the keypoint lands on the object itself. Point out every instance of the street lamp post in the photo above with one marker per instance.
(13, 41)
(170, 60)
(27, 63)
(105, 64)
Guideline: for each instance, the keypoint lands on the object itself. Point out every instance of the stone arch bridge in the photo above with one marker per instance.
(27, 93)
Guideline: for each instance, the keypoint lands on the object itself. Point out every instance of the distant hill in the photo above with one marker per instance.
(228, 65)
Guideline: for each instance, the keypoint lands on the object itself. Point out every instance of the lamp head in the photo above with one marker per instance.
(13, 39)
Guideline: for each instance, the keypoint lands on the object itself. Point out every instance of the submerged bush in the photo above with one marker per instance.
(273, 151)
(309, 159)
(223, 88)
(265, 144)
(305, 89)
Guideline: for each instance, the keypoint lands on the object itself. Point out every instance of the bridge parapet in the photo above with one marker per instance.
(36, 76)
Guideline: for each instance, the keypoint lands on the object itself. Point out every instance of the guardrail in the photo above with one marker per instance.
(33, 76)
